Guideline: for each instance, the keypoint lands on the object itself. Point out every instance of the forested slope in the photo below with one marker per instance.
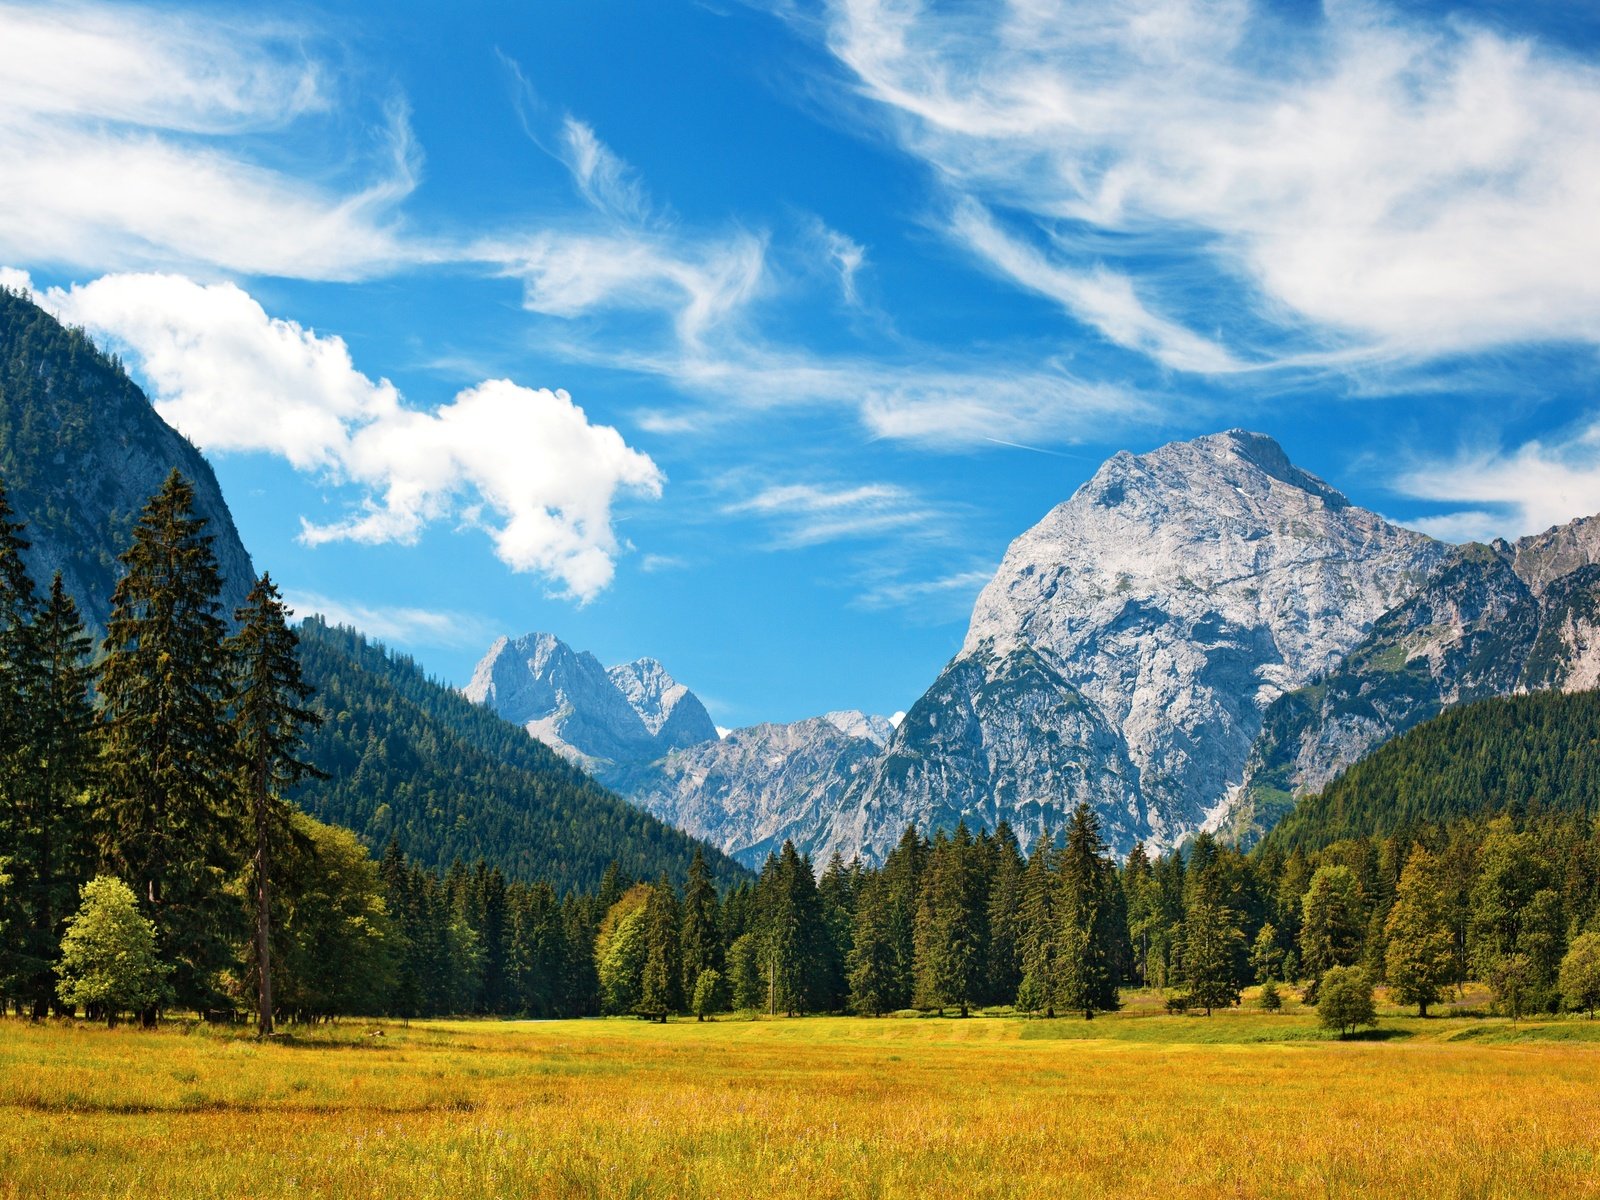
(412, 760)
(1539, 752)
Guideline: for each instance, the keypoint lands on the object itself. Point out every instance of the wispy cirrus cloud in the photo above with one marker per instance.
(123, 130)
(1359, 176)
(808, 514)
(1510, 492)
(396, 623)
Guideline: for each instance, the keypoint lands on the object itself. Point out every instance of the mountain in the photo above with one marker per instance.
(603, 720)
(412, 759)
(649, 738)
(1491, 621)
(81, 450)
(1129, 643)
(756, 787)
(1531, 752)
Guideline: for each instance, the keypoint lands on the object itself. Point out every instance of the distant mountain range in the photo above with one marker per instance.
(1198, 636)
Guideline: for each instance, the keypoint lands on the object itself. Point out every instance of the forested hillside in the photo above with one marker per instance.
(413, 761)
(81, 450)
(1538, 752)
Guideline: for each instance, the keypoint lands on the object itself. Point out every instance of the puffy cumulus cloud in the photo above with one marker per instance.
(543, 477)
(1514, 492)
(526, 465)
(121, 130)
(227, 374)
(1418, 187)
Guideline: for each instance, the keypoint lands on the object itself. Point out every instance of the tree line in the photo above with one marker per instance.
(144, 823)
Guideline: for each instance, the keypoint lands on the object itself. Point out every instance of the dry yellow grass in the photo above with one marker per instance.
(818, 1108)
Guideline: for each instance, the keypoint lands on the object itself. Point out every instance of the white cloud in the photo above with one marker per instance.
(121, 126)
(958, 590)
(524, 464)
(1423, 188)
(408, 626)
(809, 514)
(1526, 489)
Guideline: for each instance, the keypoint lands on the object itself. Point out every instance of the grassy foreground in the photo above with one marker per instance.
(1131, 1105)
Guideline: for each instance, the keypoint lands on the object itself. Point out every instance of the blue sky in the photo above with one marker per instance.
(747, 336)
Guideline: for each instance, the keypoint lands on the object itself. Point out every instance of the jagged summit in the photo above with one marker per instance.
(671, 712)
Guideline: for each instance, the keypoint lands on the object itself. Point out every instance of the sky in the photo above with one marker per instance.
(747, 336)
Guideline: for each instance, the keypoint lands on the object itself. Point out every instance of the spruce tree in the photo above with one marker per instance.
(1420, 955)
(702, 938)
(1004, 960)
(1210, 949)
(1086, 911)
(1332, 920)
(47, 782)
(661, 983)
(872, 964)
(949, 930)
(22, 956)
(270, 722)
(1037, 991)
(169, 807)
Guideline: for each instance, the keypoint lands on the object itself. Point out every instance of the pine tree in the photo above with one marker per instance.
(1332, 920)
(702, 939)
(1420, 955)
(949, 931)
(661, 983)
(47, 784)
(270, 722)
(1037, 991)
(169, 807)
(1087, 933)
(1005, 919)
(872, 964)
(22, 953)
(1210, 947)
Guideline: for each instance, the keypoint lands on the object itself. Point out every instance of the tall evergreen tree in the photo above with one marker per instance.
(702, 936)
(873, 966)
(270, 721)
(661, 984)
(1004, 960)
(1210, 953)
(46, 781)
(949, 932)
(1037, 991)
(21, 954)
(1332, 919)
(1086, 910)
(169, 808)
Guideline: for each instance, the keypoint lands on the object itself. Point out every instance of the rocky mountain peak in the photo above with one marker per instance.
(669, 710)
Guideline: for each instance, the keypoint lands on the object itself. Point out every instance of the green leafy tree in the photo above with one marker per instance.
(710, 994)
(1580, 973)
(108, 956)
(270, 720)
(1420, 957)
(169, 803)
(1266, 954)
(1344, 1000)
(620, 949)
(744, 972)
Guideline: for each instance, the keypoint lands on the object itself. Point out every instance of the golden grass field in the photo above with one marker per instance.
(1136, 1104)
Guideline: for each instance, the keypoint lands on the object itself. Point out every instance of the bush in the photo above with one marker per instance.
(1177, 1004)
(1344, 1000)
(108, 956)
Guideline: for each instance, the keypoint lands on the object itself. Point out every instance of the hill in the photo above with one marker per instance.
(1540, 752)
(412, 759)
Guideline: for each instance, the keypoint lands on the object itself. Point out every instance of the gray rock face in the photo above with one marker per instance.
(564, 698)
(756, 787)
(671, 713)
(1126, 648)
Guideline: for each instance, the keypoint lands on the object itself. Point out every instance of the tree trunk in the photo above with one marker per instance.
(263, 912)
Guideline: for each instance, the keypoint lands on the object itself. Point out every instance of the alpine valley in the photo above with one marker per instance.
(1193, 640)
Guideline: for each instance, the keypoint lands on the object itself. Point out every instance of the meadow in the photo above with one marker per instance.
(1135, 1104)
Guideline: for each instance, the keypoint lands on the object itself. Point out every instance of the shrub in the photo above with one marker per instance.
(1344, 1000)
(1177, 1004)
(1271, 998)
